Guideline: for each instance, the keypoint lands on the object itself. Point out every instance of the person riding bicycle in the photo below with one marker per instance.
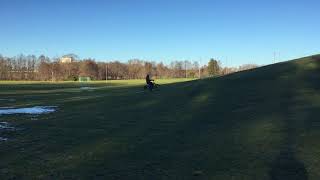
(149, 82)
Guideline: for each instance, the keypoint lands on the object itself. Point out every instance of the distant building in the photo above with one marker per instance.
(66, 59)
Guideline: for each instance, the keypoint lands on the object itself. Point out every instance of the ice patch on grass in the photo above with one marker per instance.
(140, 92)
(10, 100)
(31, 110)
(3, 139)
(6, 126)
(87, 88)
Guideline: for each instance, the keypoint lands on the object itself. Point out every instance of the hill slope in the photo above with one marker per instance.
(258, 124)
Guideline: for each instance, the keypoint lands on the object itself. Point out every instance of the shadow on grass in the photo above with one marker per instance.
(287, 167)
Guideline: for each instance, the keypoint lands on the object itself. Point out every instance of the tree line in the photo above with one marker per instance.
(43, 68)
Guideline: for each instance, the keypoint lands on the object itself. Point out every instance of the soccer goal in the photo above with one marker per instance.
(84, 79)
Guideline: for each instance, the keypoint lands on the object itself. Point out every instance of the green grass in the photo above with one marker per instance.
(258, 124)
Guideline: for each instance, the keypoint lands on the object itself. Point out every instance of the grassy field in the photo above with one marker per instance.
(258, 124)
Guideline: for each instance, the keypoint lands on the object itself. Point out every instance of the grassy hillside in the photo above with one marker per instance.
(258, 124)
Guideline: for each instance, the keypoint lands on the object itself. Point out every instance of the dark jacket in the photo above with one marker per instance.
(148, 80)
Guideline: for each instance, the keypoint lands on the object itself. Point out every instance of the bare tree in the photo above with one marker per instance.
(29, 67)
(88, 68)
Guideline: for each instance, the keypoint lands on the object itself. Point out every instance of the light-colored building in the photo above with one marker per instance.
(66, 59)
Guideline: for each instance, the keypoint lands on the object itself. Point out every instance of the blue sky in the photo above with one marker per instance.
(236, 32)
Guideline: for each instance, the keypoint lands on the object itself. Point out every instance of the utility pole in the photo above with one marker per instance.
(106, 72)
(52, 73)
(279, 57)
(200, 68)
(185, 65)
(274, 57)
(227, 61)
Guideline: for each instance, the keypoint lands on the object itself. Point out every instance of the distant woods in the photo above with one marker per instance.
(43, 68)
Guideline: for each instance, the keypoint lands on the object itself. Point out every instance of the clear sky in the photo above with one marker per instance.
(236, 32)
